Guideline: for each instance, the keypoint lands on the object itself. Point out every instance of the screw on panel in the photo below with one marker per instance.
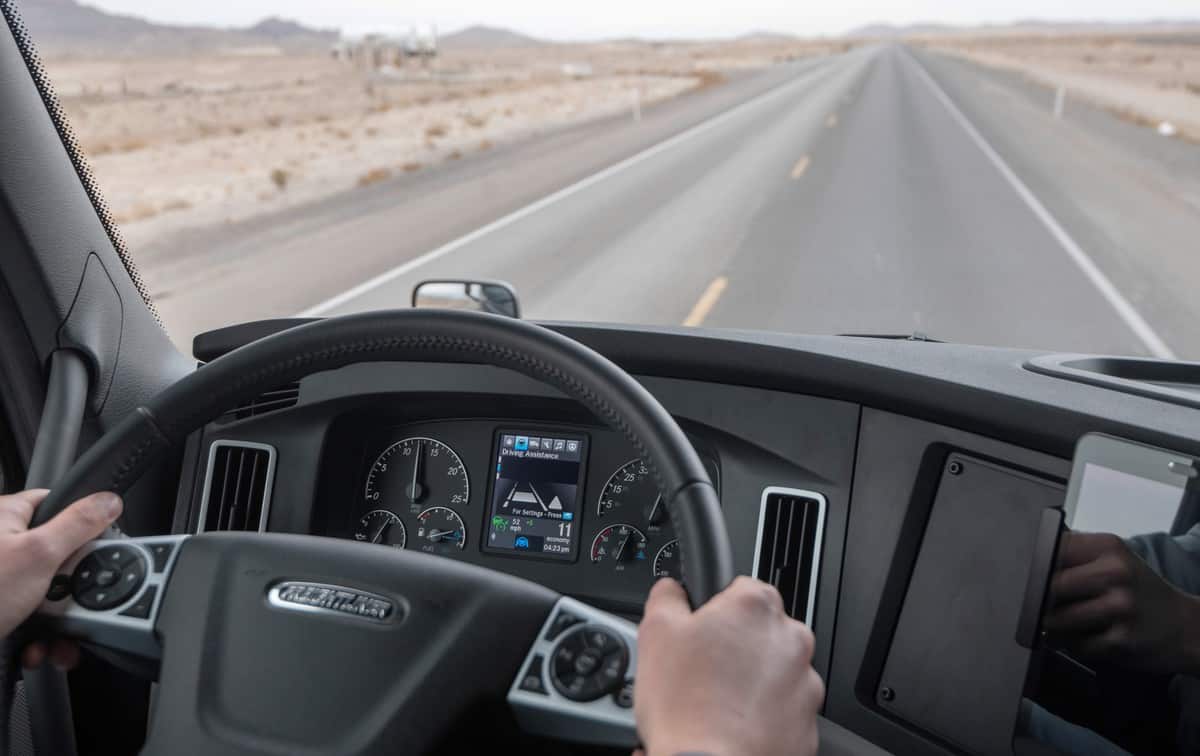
(887, 694)
(955, 468)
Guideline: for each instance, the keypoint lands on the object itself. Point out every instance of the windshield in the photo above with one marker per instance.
(1013, 174)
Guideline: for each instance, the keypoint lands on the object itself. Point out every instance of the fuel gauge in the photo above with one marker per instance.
(440, 529)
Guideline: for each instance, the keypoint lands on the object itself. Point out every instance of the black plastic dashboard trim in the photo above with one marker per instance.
(984, 390)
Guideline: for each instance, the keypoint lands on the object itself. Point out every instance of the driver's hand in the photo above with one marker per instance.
(1108, 605)
(30, 558)
(733, 678)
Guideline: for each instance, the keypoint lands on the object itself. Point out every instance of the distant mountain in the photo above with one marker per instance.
(889, 31)
(1029, 26)
(486, 38)
(767, 36)
(66, 27)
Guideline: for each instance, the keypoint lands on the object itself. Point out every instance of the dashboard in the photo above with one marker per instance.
(892, 490)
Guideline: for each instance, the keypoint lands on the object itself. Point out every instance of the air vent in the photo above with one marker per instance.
(237, 486)
(269, 401)
(787, 553)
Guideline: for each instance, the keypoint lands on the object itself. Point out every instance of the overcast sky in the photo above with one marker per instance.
(591, 19)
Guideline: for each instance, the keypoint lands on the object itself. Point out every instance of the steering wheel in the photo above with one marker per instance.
(274, 643)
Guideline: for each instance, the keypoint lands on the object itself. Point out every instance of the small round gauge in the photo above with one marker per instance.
(381, 526)
(417, 473)
(666, 561)
(440, 529)
(619, 545)
(631, 488)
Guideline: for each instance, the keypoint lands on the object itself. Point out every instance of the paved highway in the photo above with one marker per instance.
(881, 191)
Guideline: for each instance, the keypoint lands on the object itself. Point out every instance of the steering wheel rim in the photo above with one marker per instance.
(121, 456)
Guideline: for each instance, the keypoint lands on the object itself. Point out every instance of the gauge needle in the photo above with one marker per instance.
(654, 517)
(440, 535)
(379, 533)
(414, 491)
(621, 548)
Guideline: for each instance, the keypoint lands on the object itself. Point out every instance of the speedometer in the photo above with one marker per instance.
(416, 473)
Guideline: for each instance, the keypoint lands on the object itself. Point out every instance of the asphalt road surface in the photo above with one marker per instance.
(883, 191)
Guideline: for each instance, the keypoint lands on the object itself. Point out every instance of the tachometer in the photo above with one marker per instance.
(381, 526)
(417, 473)
(441, 529)
(619, 546)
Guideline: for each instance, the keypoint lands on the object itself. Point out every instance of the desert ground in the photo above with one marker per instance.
(186, 141)
(1150, 78)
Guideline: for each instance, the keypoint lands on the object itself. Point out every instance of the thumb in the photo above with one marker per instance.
(78, 524)
(667, 598)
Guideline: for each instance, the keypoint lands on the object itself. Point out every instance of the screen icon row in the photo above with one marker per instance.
(536, 443)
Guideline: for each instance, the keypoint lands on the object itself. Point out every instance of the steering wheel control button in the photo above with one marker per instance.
(589, 662)
(84, 576)
(603, 641)
(107, 578)
(161, 552)
(532, 681)
(563, 622)
(624, 696)
(117, 556)
(140, 609)
(60, 588)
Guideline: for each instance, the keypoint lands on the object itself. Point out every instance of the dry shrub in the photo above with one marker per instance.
(486, 144)
(176, 204)
(140, 211)
(374, 176)
(454, 155)
(475, 121)
(280, 178)
(274, 121)
(435, 131)
(411, 167)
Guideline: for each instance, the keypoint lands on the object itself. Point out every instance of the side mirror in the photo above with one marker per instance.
(495, 297)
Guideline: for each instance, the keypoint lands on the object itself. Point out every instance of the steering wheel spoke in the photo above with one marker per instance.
(110, 592)
(576, 682)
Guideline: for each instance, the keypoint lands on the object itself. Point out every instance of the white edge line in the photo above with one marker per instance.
(1125, 310)
(550, 199)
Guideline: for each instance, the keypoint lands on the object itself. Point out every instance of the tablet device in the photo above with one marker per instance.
(1126, 488)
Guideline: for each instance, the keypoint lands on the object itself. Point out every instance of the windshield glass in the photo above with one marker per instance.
(1012, 174)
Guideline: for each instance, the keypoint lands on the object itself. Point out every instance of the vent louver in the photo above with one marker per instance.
(787, 553)
(269, 401)
(237, 486)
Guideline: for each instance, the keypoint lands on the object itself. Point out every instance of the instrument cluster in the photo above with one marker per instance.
(569, 497)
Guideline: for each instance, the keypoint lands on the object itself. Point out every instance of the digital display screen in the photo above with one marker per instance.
(537, 494)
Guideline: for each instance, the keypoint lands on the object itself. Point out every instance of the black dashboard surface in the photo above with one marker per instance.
(868, 424)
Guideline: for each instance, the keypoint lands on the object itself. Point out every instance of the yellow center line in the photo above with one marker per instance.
(831, 121)
(706, 301)
(800, 167)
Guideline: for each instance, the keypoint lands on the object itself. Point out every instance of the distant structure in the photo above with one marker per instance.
(376, 51)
